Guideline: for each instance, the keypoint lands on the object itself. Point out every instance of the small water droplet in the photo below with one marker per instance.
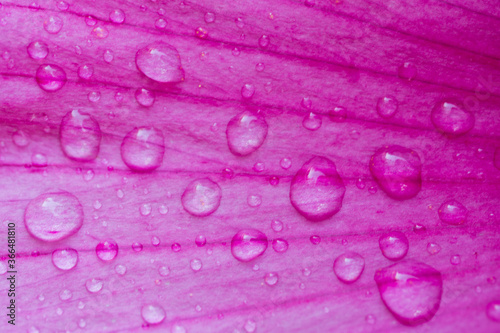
(201, 33)
(145, 209)
(143, 148)
(65, 295)
(264, 41)
(493, 310)
(254, 200)
(50, 77)
(285, 163)
(117, 16)
(120, 269)
(155, 241)
(94, 96)
(259, 67)
(160, 62)
(196, 264)
(387, 106)
(452, 212)
(160, 23)
(3, 268)
(201, 197)
(100, 32)
(455, 259)
(306, 271)
(39, 160)
(450, 118)
(164, 271)
(119, 194)
(338, 114)
(259, 167)
(137, 247)
(62, 5)
(276, 225)
(280, 245)
(248, 244)
(107, 250)
(271, 279)
(65, 259)
(88, 175)
(315, 240)
(108, 56)
(246, 132)
(419, 228)
(274, 181)
(200, 240)
(20, 138)
(94, 285)
(312, 121)
(90, 21)
(394, 245)
(38, 50)
(247, 90)
(209, 17)
(370, 319)
(236, 52)
(360, 183)
(433, 248)
(349, 266)
(239, 22)
(53, 24)
(176, 247)
(153, 314)
(86, 71)
(407, 71)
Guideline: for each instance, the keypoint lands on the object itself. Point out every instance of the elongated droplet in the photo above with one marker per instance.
(449, 117)
(397, 170)
(38, 50)
(411, 291)
(143, 148)
(317, 190)
(160, 62)
(248, 244)
(394, 245)
(153, 314)
(107, 250)
(349, 266)
(452, 212)
(50, 77)
(245, 133)
(80, 136)
(65, 259)
(201, 197)
(52, 217)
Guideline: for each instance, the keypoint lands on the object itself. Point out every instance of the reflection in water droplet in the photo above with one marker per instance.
(348, 267)
(200, 240)
(52, 217)
(452, 212)
(245, 133)
(145, 97)
(143, 148)
(100, 32)
(94, 285)
(137, 247)
(107, 250)
(201, 197)
(280, 245)
(315, 240)
(338, 114)
(450, 118)
(201, 33)
(271, 279)
(493, 310)
(387, 106)
(394, 245)
(209, 17)
(50, 77)
(86, 71)
(117, 16)
(53, 24)
(160, 62)
(80, 136)
(312, 121)
(254, 200)
(317, 190)
(38, 50)
(248, 244)
(94, 96)
(153, 314)
(65, 259)
(196, 264)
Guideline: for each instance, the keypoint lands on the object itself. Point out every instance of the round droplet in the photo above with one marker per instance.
(277, 225)
(80, 136)
(248, 244)
(65, 259)
(264, 41)
(254, 200)
(94, 285)
(397, 170)
(250, 326)
(52, 217)
(316, 190)
(259, 67)
(370, 319)
(20, 138)
(315, 240)
(155, 241)
(196, 264)
(280, 245)
(201, 197)
(143, 148)
(137, 247)
(145, 209)
(450, 118)
(312, 121)
(50, 77)
(201, 33)
(117, 16)
(164, 271)
(65, 295)
(39, 160)
(387, 106)
(493, 310)
(455, 260)
(271, 279)
(53, 24)
(200, 240)
(394, 245)
(3, 268)
(145, 97)
(160, 62)
(107, 250)
(410, 290)
(176, 247)
(407, 71)
(160, 23)
(100, 32)
(286, 163)
(108, 56)
(245, 133)
(90, 21)
(349, 266)
(209, 17)
(38, 50)
(338, 114)
(86, 71)
(274, 180)
(120, 269)
(153, 314)
(452, 212)
(247, 90)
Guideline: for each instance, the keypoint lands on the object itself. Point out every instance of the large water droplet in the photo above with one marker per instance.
(349, 266)
(394, 245)
(65, 259)
(38, 50)
(450, 118)
(160, 62)
(52, 217)
(80, 136)
(397, 170)
(248, 244)
(201, 197)
(317, 190)
(387, 106)
(452, 212)
(411, 291)
(50, 77)
(53, 24)
(493, 310)
(145, 97)
(107, 250)
(245, 133)
(143, 148)
(153, 314)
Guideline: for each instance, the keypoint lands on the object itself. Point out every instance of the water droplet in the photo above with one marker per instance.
(94, 96)
(137, 247)
(419, 228)
(493, 310)
(228, 173)
(209, 17)
(236, 52)
(394, 245)
(153, 314)
(254, 200)
(306, 271)
(306, 103)
(285, 163)
(274, 181)
(117, 16)
(53, 24)
(59, 311)
(164, 271)
(410, 290)
(143, 148)
(248, 244)
(264, 41)
(277, 225)
(155, 241)
(407, 71)
(163, 209)
(196, 264)
(201, 197)
(387, 106)
(349, 266)
(85, 72)
(397, 170)
(52, 217)
(100, 32)
(80, 136)
(50, 77)
(315, 240)
(250, 326)
(370, 319)
(20, 138)
(145, 97)
(94, 285)
(107, 250)
(82, 323)
(200, 240)
(271, 279)
(178, 329)
(201, 33)
(302, 286)
(62, 5)
(280, 245)
(90, 21)
(247, 90)
(452, 212)
(239, 22)
(259, 67)
(360, 183)
(450, 118)
(160, 62)
(65, 259)
(65, 295)
(120, 269)
(455, 259)
(176, 247)
(145, 209)
(246, 132)
(108, 56)
(312, 121)
(39, 160)
(160, 23)
(38, 50)
(317, 190)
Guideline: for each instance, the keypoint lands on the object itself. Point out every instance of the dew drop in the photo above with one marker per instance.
(201, 197)
(236, 52)
(52, 217)
(239, 22)
(143, 148)
(50, 77)
(360, 183)
(38, 50)
(407, 71)
(315, 240)
(201, 33)
(80, 136)
(196, 264)
(108, 56)
(306, 271)
(100, 32)
(254, 200)
(117, 16)
(306, 103)
(493, 310)
(387, 106)
(163, 209)
(200, 240)
(120, 269)
(280, 245)
(285, 163)
(62, 5)
(94, 285)
(348, 267)
(85, 72)
(65, 259)
(338, 114)
(137, 247)
(176, 247)
(94, 96)
(164, 271)
(155, 241)
(410, 290)
(316, 190)
(247, 90)
(39, 160)
(259, 67)
(419, 228)
(107, 250)
(264, 41)
(452, 212)
(248, 244)
(20, 138)
(90, 21)
(448, 117)
(274, 181)
(65, 295)
(397, 170)
(160, 62)
(455, 260)
(271, 279)
(145, 209)
(160, 23)
(370, 319)
(277, 225)
(53, 24)
(209, 17)
(394, 245)
(312, 121)
(153, 314)
(245, 133)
